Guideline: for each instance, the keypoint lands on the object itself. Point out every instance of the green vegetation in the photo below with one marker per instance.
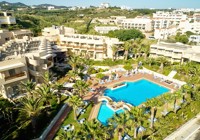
(125, 35)
(181, 38)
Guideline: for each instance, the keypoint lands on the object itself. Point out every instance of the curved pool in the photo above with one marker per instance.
(106, 112)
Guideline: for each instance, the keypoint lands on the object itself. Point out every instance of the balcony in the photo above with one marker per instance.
(15, 76)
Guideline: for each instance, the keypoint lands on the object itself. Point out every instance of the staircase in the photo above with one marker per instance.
(172, 74)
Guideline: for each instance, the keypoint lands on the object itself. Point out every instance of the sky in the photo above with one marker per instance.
(128, 3)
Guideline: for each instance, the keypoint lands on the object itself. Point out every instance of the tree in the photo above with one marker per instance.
(114, 51)
(162, 61)
(128, 67)
(181, 38)
(30, 110)
(94, 130)
(46, 94)
(6, 108)
(58, 87)
(120, 121)
(124, 35)
(75, 101)
(81, 86)
(72, 75)
(28, 86)
(152, 103)
(100, 75)
(73, 62)
(139, 117)
(127, 46)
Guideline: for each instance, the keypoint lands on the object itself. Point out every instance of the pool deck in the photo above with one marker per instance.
(94, 112)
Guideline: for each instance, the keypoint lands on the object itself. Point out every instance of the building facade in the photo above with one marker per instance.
(7, 18)
(105, 29)
(22, 60)
(95, 47)
(175, 52)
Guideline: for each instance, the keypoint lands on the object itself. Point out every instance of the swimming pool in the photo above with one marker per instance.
(136, 93)
(105, 113)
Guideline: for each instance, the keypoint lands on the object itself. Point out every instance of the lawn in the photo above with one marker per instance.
(70, 118)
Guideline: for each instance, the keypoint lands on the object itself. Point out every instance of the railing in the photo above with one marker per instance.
(15, 76)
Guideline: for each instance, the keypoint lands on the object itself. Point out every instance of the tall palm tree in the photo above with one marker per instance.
(127, 46)
(162, 61)
(114, 51)
(139, 117)
(120, 121)
(58, 87)
(75, 101)
(30, 110)
(176, 97)
(81, 87)
(28, 86)
(152, 103)
(166, 98)
(73, 62)
(94, 130)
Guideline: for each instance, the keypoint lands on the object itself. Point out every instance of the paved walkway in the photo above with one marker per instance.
(188, 131)
(57, 125)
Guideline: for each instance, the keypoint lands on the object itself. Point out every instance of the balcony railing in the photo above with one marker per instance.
(15, 76)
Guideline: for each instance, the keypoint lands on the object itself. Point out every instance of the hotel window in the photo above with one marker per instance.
(11, 72)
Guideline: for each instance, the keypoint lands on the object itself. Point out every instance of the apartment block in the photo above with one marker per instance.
(95, 47)
(164, 33)
(21, 60)
(144, 24)
(105, 29)
(7, 18)
(174, 17)
(6, 35)
(186, 25)
(56, 30)
(175, 52)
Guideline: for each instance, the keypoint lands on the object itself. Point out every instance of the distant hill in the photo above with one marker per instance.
(47, 5)
(9, 5)
(17, 4)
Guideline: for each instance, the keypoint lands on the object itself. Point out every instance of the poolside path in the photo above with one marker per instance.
(188, 131)
(57, 125)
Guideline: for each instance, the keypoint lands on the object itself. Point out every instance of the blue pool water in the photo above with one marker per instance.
(136, 93)
(106, 113)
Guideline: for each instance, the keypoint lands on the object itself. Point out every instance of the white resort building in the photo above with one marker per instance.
(105, 29)
(7, 18)
(175, 52)
(95, 47)
(22, 60)
(144, 24)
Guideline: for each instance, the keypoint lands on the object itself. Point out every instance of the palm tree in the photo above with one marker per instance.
(81, 86)
(28, 86)
(127, 46)
(120, 121)
(58, 87)
(152, 103)
(75, 101)
(94, 130)
(72, 75)
(139, 117)
(6, 109)
(73, 62)
(166, 98)
(176, 96)
(162, 61)
(150, 60)
(30, 110)
(45, 93)
(114, 51)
